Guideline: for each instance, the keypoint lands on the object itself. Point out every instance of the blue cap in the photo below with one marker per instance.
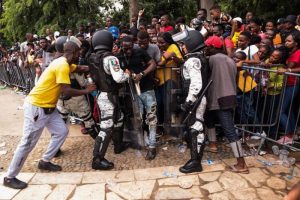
(114, 31)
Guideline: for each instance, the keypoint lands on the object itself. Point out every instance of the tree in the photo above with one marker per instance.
(21, 16)
(264, 9)
(133, 8)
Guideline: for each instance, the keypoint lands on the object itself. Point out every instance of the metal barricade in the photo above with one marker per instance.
(4, 76)
(268, 102)
(13, 75)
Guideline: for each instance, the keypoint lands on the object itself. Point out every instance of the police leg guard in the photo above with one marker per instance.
(101, 145)
(119, 145)
(93, 131)
(197, 147)
(237, 149)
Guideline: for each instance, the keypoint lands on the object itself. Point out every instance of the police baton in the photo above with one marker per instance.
(197, 102)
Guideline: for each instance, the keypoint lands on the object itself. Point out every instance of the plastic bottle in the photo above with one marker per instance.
(90, 81)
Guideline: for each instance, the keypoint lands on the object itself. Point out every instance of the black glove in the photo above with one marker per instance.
(186, 106)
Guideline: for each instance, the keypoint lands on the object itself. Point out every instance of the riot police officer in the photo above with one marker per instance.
(78, 105)
(107, 74)
(195, 80)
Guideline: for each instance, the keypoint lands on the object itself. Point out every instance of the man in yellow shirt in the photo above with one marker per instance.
(40, 112)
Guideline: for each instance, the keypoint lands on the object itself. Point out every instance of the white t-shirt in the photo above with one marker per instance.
(253, 50)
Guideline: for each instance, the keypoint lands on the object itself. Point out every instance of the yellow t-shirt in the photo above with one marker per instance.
(235, 38)
(45, 94)
(166, 73)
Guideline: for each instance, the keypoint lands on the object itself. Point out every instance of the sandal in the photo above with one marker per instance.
(233, 169)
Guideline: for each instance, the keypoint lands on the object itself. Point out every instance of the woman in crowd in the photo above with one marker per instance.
(287, 115)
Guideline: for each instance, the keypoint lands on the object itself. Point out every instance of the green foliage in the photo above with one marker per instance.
(264, 9)
(174, 8)
(21, 16)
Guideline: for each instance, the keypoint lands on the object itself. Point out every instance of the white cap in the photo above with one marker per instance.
(75, 40)
(238, 19)
(56, 34)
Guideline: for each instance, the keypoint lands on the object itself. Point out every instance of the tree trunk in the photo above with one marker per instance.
(207, 4)
(133, 9)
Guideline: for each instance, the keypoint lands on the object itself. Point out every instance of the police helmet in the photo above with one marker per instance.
(59, 43)
(102, 40)
(196, 23)
(192, 39)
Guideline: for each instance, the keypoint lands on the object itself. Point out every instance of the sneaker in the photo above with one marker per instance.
(14, 183)
(285, 140)
(49, 166)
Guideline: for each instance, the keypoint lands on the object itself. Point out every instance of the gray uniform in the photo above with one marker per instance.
(111, 67)
(192, 72)
(78, 105)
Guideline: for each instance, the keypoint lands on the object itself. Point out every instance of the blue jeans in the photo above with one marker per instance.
(287, 115)
(225, 118)
(246, 109)
(147, 101)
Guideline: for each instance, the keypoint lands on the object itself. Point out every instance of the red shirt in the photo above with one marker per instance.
(228, 43)
(166, 29)
(295, 58)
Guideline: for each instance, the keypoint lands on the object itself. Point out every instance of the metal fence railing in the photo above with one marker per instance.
(268, 103)
(14, 75)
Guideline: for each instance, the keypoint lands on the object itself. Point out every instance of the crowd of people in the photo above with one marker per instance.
(105, 62)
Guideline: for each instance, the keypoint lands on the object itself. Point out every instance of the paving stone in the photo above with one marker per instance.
(178, 193)
(208, 177)
(193, 179)
(108, 176)
(291, 181)
(112, 196)
(266, 193)
(61, 192)
(34, 192)
(9, 193)
(278, 169)
(232, 181)
(90, 192)
(256, 177)
(245, 194)
(276, 183)
(213, 167)
(156, 173)
(134, 190)
(57, 178)
(212, 187)
(222, 196)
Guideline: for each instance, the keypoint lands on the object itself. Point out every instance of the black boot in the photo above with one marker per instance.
(101, 164)
(93, 131)
(101, 145)
(194, 164)
(151, 154)
(119, 145)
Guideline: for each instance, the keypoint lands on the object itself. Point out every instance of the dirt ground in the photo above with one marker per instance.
(11, 115)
